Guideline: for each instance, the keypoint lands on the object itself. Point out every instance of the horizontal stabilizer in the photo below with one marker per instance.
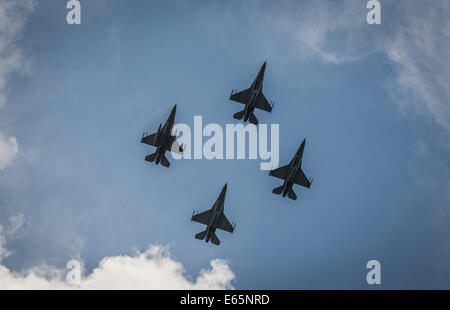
(215, 240)
(151, 157)
(165, 162)
(292, 195)
(201, 235)
(239, 115)
(278, 190)
(253, 119)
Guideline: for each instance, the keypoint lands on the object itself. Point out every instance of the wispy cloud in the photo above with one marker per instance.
(420, 54)
(331, 31)
(13, 16)
(12, 19)
(8, 150)
(414, 36)
(7, 231)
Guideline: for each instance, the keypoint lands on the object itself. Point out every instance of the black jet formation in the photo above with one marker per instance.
(164, 141)
(213, 218)
(291, 174)
(252, 98)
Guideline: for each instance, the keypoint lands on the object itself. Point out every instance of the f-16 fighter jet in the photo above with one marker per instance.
(252, 98)
(291, 174)
(213, 219)
(163, 141)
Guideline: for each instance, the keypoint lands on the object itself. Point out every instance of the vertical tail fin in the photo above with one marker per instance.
(201, 235)
(239, 115)
(278, 190)
(215, 240)
(151, 157)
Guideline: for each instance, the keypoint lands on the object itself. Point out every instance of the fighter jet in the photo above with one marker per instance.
(163, 141)
(252, 98)
(291, 174)
(213, 219)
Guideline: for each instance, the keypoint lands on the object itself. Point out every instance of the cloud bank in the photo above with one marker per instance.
(153, 269)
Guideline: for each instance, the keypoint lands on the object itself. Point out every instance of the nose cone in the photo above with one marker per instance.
(261, 71)
(223, 192)
(303, 143)
(263, 68)
(301, 148)
(172, 113)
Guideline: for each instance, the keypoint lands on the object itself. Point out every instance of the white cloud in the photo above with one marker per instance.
(153, 269)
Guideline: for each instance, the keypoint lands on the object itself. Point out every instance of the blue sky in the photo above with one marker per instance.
(371, 100)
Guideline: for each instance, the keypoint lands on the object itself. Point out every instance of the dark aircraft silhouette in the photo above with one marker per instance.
(163, 141)
(291, 174)
(252, 98)
(213, 219)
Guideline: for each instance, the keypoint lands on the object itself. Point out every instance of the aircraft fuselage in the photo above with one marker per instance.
(163, 136)
(296, 163)
(256, 90)
(214, 220)
(217, 211)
